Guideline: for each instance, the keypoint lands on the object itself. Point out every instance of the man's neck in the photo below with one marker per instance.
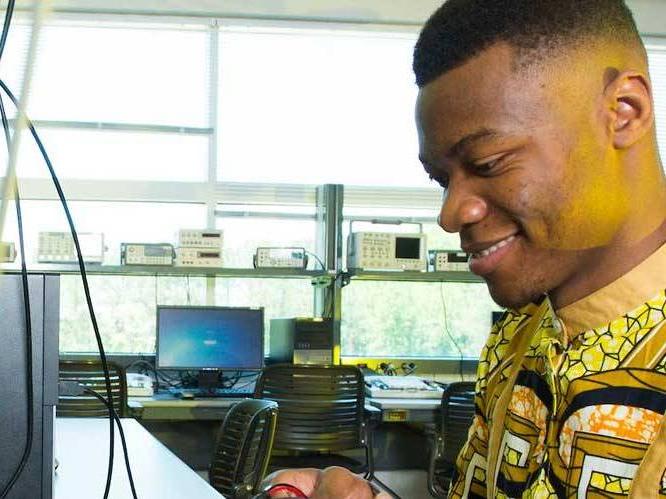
(607, 265)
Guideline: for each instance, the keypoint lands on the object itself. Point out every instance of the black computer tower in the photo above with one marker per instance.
(36, 481)
(302, 340)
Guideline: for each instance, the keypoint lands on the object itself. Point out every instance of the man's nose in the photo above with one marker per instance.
(461, 207)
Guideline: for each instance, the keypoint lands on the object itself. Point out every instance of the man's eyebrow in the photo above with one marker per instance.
(470, 139)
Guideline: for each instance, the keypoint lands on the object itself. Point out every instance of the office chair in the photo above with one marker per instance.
(456, 415)
(91, 375)
(321, 413)
(243, 448)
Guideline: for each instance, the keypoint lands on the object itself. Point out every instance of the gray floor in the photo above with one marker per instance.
(408, 484)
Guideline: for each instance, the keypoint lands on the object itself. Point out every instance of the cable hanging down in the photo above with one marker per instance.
(30, 417)
(84, 278)
(115, 418)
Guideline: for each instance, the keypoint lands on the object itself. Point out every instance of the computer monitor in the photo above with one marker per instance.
(210, 338)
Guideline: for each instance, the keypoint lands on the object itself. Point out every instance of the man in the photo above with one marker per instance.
(536, 117)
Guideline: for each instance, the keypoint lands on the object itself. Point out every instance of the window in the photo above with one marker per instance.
(247, 227)
(134, 133)
(279, 297)
(115, 72)
(115, 155)
(317, 106)
(119, 222)
(125, 307)
(412, 319)
(415, 319)
(656, 49)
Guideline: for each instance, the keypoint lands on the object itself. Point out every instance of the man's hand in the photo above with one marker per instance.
(331, 483)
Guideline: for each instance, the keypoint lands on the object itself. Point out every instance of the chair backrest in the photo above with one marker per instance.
(243, 448)
(457, 413)
(91, 375)
(321, 407)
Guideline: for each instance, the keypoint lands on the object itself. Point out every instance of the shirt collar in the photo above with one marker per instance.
(617, 298)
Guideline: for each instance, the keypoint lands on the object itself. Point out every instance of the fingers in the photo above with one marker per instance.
(331, 483)
(340, 483)
(305, 479)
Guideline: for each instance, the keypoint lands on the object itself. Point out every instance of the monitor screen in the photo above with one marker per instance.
(408, 247)
(210, 338)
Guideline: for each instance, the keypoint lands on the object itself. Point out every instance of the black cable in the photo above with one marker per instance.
(448, 333)
(228, 381)
(122, 437)
(5, 28)
(323, 267)
(170, 382)
(84, 278)
(26, 309)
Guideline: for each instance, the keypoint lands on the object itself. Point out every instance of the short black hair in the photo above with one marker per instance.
(461, 29)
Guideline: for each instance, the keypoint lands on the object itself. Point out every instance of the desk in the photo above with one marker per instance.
(188, 427)
(82, 450)
(407, 410)
(168, 408)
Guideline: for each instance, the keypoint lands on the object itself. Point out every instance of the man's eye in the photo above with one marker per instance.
(486, 166)
(442, 181)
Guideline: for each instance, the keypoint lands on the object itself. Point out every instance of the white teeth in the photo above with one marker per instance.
(494, 247)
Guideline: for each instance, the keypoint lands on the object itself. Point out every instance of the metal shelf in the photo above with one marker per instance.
(414, 276)
(157, 270)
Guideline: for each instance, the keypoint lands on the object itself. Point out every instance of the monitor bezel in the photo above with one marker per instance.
(158, 365)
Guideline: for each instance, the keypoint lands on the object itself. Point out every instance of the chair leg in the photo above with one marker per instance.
(370, 474)
(369, 458)
(384, 487)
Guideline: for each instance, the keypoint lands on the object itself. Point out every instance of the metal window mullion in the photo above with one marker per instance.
(329, 244)
(264, 214)
(213, 85)
(121, 127)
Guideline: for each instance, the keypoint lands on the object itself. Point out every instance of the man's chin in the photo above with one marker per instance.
(511, 295)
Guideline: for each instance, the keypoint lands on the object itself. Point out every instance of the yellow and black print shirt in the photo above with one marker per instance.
(588, 399)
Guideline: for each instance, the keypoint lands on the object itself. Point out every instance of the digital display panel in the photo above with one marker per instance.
(408, 247)
(210, 338)
(156, 251)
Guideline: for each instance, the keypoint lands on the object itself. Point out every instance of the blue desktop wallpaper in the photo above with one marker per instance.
(223, 338)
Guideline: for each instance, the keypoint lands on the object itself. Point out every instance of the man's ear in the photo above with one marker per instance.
(630, 106)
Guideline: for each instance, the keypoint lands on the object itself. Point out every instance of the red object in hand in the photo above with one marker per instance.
(285, 487)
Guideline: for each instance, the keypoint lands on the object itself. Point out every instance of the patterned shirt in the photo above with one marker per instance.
(588, 399)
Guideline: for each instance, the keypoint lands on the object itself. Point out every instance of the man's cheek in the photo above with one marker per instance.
(590, 217)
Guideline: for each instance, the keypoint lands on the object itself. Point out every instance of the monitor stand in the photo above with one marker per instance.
(208, 380)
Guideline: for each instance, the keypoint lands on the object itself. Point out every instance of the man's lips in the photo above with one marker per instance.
(483, 248)
(486, 257)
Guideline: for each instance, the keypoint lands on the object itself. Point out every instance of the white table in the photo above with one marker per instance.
(81, 447)
(405, 403)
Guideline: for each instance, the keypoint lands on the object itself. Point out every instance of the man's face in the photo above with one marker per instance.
(532, 182)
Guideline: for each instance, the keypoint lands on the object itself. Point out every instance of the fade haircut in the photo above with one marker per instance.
(461, 29)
